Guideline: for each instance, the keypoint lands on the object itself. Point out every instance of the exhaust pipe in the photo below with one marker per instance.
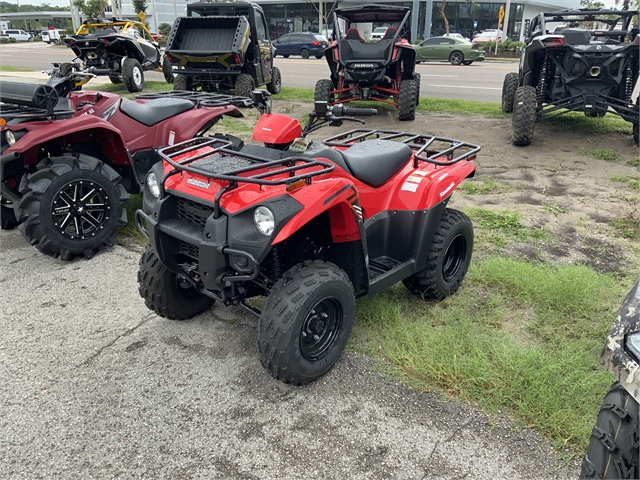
(595, 71)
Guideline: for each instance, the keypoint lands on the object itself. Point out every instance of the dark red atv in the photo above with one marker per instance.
(68, 158)
(310, 225)
(383, 71)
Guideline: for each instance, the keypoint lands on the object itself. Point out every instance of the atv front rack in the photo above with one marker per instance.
(202, 99)
(18, 112)
(426, 148)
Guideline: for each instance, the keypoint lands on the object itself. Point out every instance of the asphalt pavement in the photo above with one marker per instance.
(97, 386)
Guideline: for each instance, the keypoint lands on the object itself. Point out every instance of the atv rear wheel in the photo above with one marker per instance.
(448, 258)
(182, 82)
(275, 84)
(322, 91)
(509, 86)
(306, 322)
(167, 71)
(244, 85)
(7, 215)
(613, 448)
(166, 293)
(132, 75)
(524, 115)
(456, 58)
(407, 100)
(115, 79)
(304, 53)
(72, 205)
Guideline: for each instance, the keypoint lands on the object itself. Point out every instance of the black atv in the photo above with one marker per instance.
(615, 440)
(382, 71)
(582, 60)
(121, 49)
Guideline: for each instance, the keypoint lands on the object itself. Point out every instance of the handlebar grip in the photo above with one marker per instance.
(360, 112)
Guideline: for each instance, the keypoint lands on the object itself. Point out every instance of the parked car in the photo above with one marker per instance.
(19, 35)
(301, 43)
(457, 35)
(448, 49)
(378, 33)
(488, 36)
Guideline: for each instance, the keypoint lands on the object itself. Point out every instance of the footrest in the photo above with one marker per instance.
(381, 265)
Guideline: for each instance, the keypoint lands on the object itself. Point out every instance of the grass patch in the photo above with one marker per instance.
(603, 154)
(553, 209)
(587, 125)
(7, 68)
(632, 180)
(517, 337)
(484, 186)
(504, 225)
(120, 89)
(634, 162)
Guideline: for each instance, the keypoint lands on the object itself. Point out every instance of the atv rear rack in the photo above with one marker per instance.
(426, 148)
(202, 99)
(237, 167)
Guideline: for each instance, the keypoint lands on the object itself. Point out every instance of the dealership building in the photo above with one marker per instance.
(467, 18)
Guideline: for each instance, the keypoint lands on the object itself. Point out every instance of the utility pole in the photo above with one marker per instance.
(506, 20)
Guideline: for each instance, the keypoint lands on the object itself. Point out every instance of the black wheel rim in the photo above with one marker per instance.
(454, 258)
(185, 289)
(321, 328)
(80, 209)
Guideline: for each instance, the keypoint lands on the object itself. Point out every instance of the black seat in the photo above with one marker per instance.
(374, 162)
(156, 110)
(390, 33)
(353, 34)
(576, 36)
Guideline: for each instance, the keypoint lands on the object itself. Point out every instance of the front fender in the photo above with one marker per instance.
(616, 357)
(83, 129)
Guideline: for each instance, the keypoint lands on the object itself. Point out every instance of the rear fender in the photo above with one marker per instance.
(191, 123)
(65, 133)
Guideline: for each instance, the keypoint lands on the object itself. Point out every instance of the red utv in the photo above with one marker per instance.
(383, 71)
(68, 158)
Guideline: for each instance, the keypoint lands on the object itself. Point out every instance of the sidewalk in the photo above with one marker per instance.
(41, 77)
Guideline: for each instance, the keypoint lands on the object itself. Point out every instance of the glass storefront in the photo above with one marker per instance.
(465, 18)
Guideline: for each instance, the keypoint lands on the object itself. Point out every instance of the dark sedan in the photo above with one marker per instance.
(451, 49)
(301, 43)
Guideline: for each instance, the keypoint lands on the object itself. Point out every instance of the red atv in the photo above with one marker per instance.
(68, 158)
(310, 225)
(383, 71)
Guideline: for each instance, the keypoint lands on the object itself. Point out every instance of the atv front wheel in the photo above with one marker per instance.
(448, 258)
(166, 293)
(456, 58)
(72, 205)
(244, 85)
(509, 86)
(322, 92)
(115, 79)
(182, 82)
(275, 84)
(407, 100)
(613, 448)
(524, 116)
(167, 71)
(306, 322)
(132, 75)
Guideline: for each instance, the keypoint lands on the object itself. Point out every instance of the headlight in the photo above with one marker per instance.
(10, 137)
(263, 218)
(633, 344)
(152, 184)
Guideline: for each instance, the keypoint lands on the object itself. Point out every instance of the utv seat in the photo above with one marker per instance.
(156, 110)
(390, 33)
(576, 36)
(354, 34)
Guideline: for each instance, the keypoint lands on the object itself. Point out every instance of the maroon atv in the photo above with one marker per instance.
(382, 71)
(308, 225)
(68, 158)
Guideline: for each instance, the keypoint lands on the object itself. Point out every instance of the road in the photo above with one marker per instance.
(479, 81)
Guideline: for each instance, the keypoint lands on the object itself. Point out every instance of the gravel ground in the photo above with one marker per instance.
(97, 386)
